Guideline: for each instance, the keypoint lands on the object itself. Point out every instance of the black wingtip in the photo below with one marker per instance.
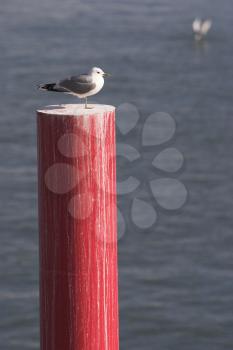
(40, 87)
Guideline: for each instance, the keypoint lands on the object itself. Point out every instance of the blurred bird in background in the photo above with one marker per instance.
(201, 28)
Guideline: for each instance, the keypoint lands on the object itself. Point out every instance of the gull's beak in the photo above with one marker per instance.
(106, 75)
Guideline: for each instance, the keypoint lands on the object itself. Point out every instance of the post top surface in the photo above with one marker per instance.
(76, 109)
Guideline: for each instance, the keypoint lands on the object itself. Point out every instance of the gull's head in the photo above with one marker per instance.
(98, 72)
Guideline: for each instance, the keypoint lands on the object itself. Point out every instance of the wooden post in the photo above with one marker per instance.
(77, 224)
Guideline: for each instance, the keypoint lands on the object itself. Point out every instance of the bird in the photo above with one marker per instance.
(82, 86)
(201, 28)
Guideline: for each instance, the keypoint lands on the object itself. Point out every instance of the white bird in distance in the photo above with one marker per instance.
(201, 28)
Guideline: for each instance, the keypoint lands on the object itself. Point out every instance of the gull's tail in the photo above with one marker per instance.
(51, 87)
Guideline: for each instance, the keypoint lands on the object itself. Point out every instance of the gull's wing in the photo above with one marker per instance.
(197, 25)
(78, 84)
(206, 25)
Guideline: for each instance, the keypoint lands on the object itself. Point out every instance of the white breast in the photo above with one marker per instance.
(99, 82)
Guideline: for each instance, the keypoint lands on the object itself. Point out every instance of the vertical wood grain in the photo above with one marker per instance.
(78, 231)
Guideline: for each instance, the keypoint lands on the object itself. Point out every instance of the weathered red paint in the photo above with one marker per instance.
(78, 253)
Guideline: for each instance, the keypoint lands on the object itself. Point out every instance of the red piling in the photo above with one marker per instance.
(78, 228)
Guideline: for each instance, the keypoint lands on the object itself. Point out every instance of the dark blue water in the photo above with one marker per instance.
(176, 279)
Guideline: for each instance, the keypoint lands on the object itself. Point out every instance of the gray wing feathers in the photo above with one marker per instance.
(83, 78)
(78, 84)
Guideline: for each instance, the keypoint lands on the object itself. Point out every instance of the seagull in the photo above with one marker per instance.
(201, 28)
(83, 85)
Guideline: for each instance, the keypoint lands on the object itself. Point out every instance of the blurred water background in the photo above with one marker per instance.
(176, 288)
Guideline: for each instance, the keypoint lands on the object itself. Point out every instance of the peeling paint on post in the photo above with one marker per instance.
(78, 228)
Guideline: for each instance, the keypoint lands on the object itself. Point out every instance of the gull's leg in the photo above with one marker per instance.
(86, 106)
